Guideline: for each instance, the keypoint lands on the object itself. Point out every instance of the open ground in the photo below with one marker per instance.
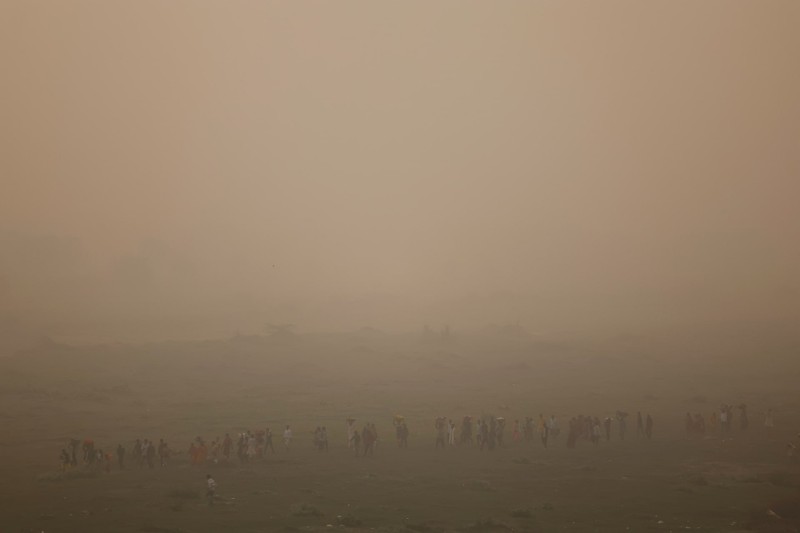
(115, 394)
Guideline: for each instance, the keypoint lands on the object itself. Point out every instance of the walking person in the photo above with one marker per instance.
(121, 456)
(211, 489)
(404, 436)
(623, 426)
(268, 441)
(440, 432)
(227, 445)
(65, 460)
(351, 430)
(355, 441)
(163, 453)
(544, 434)
(287, 437)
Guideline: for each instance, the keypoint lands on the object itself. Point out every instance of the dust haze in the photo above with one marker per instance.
(441, 208)
(202, 167)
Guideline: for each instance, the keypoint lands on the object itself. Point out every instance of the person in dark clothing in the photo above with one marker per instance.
(623, 426)
(65, 459)
(356, 441)
(440, 432)
(404, 436)
(121, 456)
(74, 444)
(163, 452)
(743, 421)
(151, 455)
(268, 441)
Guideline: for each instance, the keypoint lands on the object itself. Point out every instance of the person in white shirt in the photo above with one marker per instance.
(552, 426)
(251, 447)
(287, 437)
(211, 489)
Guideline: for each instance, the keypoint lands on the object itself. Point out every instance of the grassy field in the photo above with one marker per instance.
(177, 391)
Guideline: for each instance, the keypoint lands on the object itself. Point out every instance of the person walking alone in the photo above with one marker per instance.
(211, 489)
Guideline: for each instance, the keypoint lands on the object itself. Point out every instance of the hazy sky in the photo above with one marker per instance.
(391, 163)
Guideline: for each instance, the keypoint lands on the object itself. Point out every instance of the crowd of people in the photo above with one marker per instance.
(144, 453)
(362, 443)
(249, 445)
(486, 432)
(722, 421)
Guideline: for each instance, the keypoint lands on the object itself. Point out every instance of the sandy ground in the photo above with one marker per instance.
(177, 391)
